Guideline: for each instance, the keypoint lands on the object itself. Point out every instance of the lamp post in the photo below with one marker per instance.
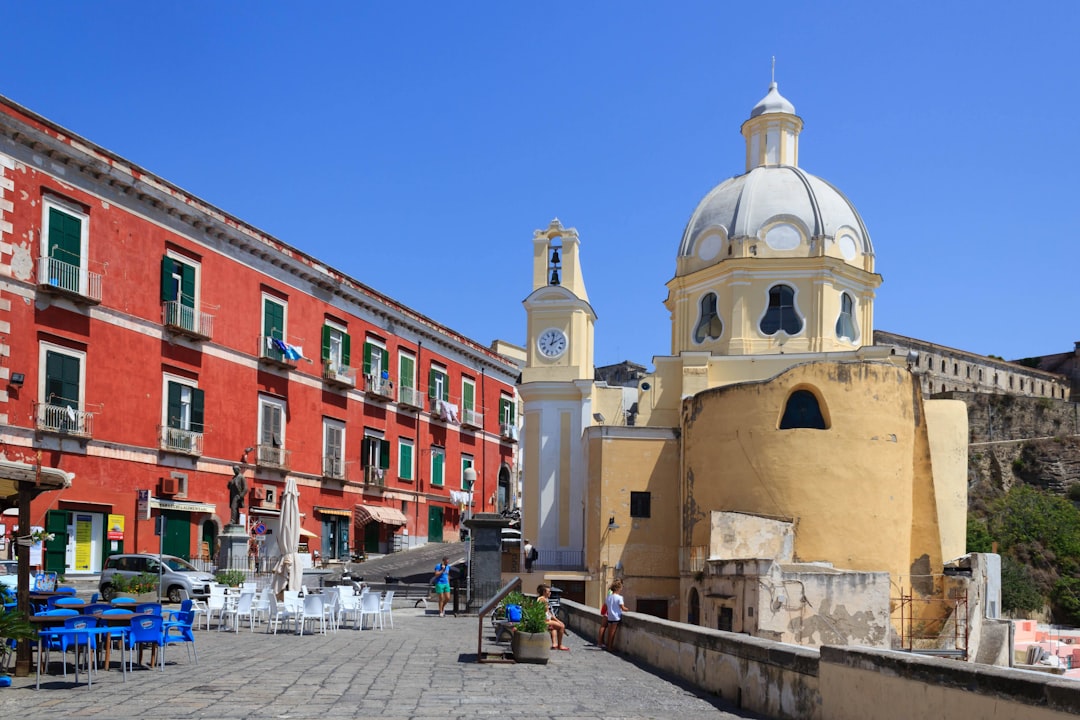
(611, 526)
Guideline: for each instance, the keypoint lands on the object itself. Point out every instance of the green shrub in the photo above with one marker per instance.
(533, 616)
(134, 584)
(230, 578)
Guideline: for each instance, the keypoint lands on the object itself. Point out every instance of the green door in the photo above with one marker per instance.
(434, 524)
(65, 245)
(177, 534)
(62, 388)
(273, 326)
(371, 537)
(55, 560)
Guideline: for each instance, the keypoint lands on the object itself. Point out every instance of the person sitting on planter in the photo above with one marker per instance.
(555, 626)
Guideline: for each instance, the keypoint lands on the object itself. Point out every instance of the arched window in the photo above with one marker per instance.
(845, 324)
(781, 314)
(802, 411)
(709, 326)
(693, 608)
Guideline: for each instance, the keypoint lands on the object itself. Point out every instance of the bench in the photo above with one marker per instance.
(417, 593)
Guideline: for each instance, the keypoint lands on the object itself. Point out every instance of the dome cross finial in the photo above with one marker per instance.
(773, 79)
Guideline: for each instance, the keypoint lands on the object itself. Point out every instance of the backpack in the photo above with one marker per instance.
(534, 553)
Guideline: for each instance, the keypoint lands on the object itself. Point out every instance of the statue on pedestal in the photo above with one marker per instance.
(237, 491)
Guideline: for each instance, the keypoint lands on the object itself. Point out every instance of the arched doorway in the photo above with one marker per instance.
(208, 543)
(693, 608)
(504, 489)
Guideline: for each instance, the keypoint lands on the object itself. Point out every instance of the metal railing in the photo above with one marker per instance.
(472, 418)
(65, 419)
(60, 276)
(380, 386)
(333, 467)
(180, 441)
(339, 374)
(560, 560)
(508, 431)
(375, 476)
(177, 316)
(272, 456)
(692, 559)
(269, 351)
(410, 396)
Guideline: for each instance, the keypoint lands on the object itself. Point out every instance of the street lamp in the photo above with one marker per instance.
(611, 526)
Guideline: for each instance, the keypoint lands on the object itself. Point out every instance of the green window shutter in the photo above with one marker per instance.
(405, 462)
(187, 285)
(365, 452)
(65, 237)
(407, 378)
(384, 454)
(198, 404)
(431, 382)
(367, 358)
(346, 348)
(61, 380)
(168, 282)
(326, 342)
(273, 319)
(445, 387)
(437, 461)
(467, 393)
(386, 361)
(173, 409)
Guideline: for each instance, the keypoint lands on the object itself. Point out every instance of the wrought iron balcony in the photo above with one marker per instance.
(379, 387)
(64, 420)
(271, 352)
(185, 320)
(74, 281)
(410, 397)
(340, 375)
(272, 456)
(508, 431)
(472, 418)
(374, 476)
(333, 467)
(176, 440)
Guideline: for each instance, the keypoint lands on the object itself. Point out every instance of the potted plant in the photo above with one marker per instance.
(13, 627)
(230, 578)
(531, 642)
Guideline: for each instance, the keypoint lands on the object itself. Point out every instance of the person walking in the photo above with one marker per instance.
(442, 584)
(615, 609)
(530, 555)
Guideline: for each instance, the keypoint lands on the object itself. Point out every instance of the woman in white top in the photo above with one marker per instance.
(555, 626)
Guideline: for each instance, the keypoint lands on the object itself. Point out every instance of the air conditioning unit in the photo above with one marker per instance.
(170, 486)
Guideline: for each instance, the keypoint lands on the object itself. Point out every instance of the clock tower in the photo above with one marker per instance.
(556, 389)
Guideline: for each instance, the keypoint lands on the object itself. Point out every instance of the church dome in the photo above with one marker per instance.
(774, 209)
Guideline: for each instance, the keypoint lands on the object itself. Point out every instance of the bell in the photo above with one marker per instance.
(554, 277)
(555, 256)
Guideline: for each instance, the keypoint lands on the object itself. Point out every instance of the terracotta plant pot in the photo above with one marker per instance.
(531, 647)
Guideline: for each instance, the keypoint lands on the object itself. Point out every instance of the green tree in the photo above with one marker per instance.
(978, 536)
(1019, 593)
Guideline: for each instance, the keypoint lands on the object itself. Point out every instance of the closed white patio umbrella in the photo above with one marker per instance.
(288, 574)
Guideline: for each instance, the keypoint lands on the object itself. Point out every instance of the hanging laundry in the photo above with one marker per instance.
(294, 352)
(70, 413)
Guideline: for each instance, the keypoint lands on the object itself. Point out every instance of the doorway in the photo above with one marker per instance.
(435, 524)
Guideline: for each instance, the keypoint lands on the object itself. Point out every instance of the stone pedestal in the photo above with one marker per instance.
(233, 554)
(485, 566)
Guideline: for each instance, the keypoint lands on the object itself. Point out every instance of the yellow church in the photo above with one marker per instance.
(777, 473)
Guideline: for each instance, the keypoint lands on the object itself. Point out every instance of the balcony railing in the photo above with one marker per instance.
(508, 431)
(333, 467)
(472, 418)
(339, 375)
(374, 476)
(271, 352)
(67, 279)
(65, 420)
(379, 387)
(272, 456)
(560, 560)
(692, 559)
(410, 396)
(176, 440)
(186, 320)
(444, 410)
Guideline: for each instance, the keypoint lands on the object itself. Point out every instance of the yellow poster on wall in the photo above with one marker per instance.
(115, 530)
(83, 533)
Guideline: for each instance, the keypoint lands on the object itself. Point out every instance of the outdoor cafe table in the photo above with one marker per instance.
(75, 633)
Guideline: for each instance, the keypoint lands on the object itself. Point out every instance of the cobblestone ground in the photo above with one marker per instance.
(422, 668)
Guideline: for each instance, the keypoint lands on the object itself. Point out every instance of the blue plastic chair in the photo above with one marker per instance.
(70, 641)
(149, 608)
(180, 630)
(72, 602)
(119, 633)
(123, 599)
(97, 608)
(146, 630)
(67, 590)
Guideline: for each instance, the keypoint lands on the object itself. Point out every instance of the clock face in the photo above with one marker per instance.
(552, 343)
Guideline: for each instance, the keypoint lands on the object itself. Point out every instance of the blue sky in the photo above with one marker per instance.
(416, 146)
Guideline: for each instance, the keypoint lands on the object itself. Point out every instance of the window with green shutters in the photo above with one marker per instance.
(178, 292)
(184, 409)
(438, 466)
(375, 452)
(62, 379)
(64, 236)
(405, 460)
(336, 347)
(466, 463)
(438, 384)
(468, 395)
(376, 360)
(506, 410)
(406, 371)
(273, 327)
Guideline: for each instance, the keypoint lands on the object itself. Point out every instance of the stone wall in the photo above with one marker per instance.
(779, 680)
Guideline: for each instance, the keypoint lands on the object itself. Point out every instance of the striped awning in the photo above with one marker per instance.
(333, 511)
(379, 513)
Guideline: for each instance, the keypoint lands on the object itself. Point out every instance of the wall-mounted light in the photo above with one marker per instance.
(17, 379)
(611, 524)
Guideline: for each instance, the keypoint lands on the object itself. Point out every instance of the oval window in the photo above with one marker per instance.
(783, 237)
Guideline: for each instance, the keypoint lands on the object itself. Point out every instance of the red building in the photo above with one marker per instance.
(151, 342)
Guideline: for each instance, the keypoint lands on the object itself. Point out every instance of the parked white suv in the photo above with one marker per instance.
(176, 574)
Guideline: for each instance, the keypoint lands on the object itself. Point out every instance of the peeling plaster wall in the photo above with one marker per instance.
(737, 536)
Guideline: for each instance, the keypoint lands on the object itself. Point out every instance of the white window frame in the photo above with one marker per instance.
(376, 344)
(466, 382)
(197, 267)
(437, 451)
(329, 425)
(49, 201)
(284, 316)
(43, 350)
(186, 382)
(443, 374)
(411, 469)
(402, 381)
(282, 406)
(335, 358)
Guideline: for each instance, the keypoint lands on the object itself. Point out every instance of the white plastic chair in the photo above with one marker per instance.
(216, 603)
(261, 608)
(240, 610)
(293, 608)
(199, 607)
(370, 605)
(331, 604)
(314, 610)
(348, 604)
(385, 608)
(276, 615)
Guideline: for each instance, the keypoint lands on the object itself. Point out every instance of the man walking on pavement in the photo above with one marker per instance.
(442, 584)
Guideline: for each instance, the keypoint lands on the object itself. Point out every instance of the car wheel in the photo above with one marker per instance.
(174, 594)
(108, 592)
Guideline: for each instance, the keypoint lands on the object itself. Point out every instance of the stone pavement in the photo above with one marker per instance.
(422, 668)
